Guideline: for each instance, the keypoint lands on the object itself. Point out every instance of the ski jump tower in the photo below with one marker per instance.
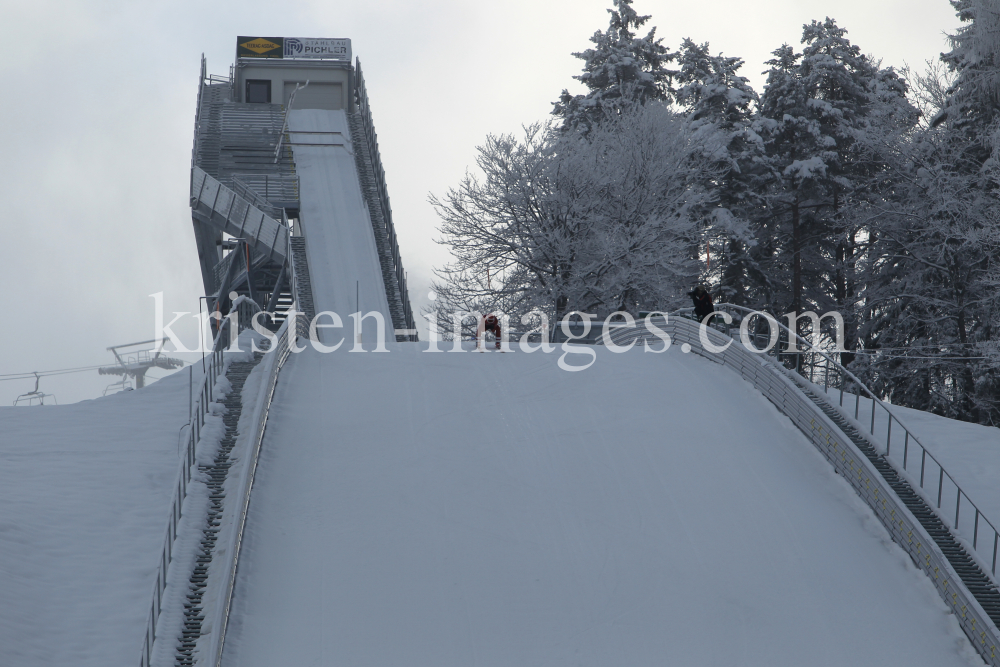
(288, 194)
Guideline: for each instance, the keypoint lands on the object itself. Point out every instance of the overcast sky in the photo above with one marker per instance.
(98, 113)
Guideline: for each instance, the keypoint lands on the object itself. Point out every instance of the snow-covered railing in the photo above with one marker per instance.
(287, 335)
(214, 367)
(365, 112)
(835, 376)
(242, 311)
(770, 376)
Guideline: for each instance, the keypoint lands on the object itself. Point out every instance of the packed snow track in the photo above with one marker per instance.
(413, 508)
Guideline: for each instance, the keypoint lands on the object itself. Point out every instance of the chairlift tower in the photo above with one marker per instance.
(132, 366)
(245, 196)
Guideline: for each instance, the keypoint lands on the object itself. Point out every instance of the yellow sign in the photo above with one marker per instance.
(259, 47)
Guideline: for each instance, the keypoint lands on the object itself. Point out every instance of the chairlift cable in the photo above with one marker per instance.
(62, 371)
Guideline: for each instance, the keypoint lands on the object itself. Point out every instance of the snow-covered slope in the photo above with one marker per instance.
(85, 491)
(340, 245)
(457, 509)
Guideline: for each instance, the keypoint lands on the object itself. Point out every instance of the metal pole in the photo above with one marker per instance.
(995, 536)
(906, 448)
(923, 460)
(888, 435)
(872, 430)
(940, 485)
(975, 530)
(857, 401)
(958, 503)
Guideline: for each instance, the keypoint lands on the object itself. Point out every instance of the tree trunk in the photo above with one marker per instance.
(796, 257)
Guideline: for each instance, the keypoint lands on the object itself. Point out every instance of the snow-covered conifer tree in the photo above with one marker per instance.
(720, 101)
(933, 275)
(974, 99)
(933, 282)
(620, 69)
(811, 113)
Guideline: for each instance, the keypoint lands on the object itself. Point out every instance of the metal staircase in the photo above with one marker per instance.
(242, 184)
(217, 474)
(301, 284)
(977, 581)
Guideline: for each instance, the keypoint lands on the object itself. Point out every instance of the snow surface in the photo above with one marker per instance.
(85, 493)
(334, 217)
(457, 509)
(85, 496)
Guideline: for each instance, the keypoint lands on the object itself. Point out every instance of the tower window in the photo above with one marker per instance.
(258, 91)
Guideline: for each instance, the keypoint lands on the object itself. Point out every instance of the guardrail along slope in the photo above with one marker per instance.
(912, 523)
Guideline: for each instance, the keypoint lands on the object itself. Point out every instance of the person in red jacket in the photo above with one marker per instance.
(491, 324)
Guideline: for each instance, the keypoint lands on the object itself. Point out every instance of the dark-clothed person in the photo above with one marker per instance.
(703, 306)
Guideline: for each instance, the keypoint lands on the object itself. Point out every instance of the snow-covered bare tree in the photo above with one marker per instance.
(620, 69)
(929, 89)
(560, 221)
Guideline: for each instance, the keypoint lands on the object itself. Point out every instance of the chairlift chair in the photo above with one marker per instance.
(31, 397)
(125, 384)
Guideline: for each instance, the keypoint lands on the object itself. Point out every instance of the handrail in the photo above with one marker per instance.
(287, 335)
(365, 113)
(236, 215)
(216, 367)
(279, 188)
(281, 352)
(284, 125)
(909, 437)
(197, 111)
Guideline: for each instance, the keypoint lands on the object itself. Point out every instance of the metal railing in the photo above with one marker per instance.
(368, 127)
(197, 111)
(284, 125)
(808, 360)
(287, 335)
(237, 216)
(215, 366)
(205, 79)
(263, 189)
(933, 481)
(774, 380)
